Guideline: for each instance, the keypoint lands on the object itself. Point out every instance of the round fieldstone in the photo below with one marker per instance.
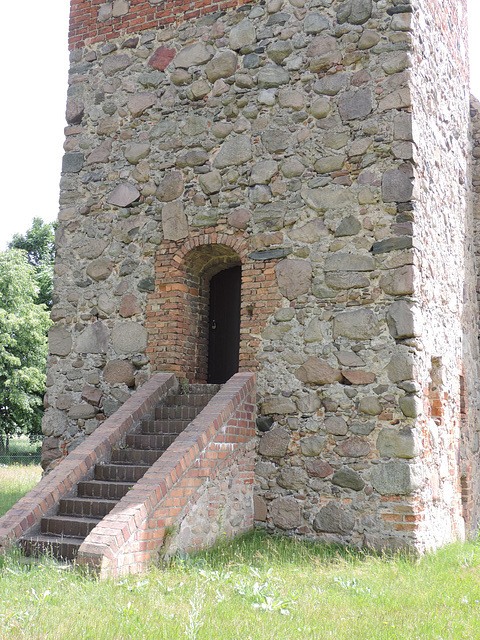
(129, 306)
(124, 195)
(239, 218)
(348, 478)
(93, 339)
(222, 65)
(396, 478)
(353, 448)
(294, 277)
(59, 341)
(119, 372)
(162, 58)
(370, 405)
(274, 443)
(242, 34)
(333, 518)
(316, 371)
(99, 269)
(312, 445)
(292, 478)
(336, 426)
(318, 469)
(234, 152)
(171, 187)
(114, 64)
(193, 55)
(129, 337)
(285, 513)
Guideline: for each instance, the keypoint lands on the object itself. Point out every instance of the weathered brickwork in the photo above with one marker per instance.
(198, 491)
(323, 147)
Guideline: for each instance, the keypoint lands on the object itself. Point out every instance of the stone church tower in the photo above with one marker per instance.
(281, 187)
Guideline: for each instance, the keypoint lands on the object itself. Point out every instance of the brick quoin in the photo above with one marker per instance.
(86, 29)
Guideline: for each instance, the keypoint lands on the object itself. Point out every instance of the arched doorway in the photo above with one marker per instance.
(185, 336)
(224, 325)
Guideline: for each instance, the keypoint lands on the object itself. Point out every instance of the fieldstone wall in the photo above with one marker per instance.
(310, 142)
(446, 355)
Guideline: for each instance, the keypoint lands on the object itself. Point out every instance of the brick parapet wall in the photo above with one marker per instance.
(43, 499)
(94, 21)
(218, 446)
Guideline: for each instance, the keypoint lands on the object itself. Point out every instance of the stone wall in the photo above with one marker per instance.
(446, 355)
(283, 137)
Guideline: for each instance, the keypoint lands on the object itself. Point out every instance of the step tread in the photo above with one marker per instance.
(71, 518)
(60, 547)
(99, 482)
(79, 500)
(52, 538)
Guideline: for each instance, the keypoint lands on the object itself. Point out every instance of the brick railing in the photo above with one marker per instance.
(200, 489)
(79, 465)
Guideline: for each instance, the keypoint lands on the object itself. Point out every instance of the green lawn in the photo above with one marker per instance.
(15, 481)
(254, 588)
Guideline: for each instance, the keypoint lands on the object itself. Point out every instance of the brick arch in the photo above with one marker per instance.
(177, 310)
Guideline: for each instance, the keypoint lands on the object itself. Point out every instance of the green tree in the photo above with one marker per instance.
(39, 245)
(23, 347)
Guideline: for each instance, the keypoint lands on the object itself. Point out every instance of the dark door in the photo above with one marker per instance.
(224, 325)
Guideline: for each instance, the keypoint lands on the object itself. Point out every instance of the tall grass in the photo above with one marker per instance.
(15, 481)
(254, 588)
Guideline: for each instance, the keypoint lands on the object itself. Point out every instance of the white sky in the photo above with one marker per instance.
(35, 62)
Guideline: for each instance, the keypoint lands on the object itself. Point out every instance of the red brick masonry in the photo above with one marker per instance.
(219, 439)
(79, 465)
(142, 15)
(214, 453)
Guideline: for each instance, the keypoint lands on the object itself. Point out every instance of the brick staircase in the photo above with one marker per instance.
(62, 534)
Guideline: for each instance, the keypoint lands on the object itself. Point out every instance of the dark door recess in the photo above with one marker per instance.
(224, 325)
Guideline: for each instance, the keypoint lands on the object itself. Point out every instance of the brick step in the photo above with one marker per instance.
(196, 389)
(178, 412)
(162, 426)
(103, 490)
(150, 441)
(62, 534)
(136, 456)
(120, 472)
(59, 548)
(85, 507)
(189, 400)
(68, 526)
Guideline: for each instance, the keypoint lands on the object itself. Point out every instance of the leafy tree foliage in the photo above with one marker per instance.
(39, 245)
(23, 346)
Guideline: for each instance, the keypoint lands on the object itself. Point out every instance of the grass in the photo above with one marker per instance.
(253, 588)
(15, 481)
(22, 451)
